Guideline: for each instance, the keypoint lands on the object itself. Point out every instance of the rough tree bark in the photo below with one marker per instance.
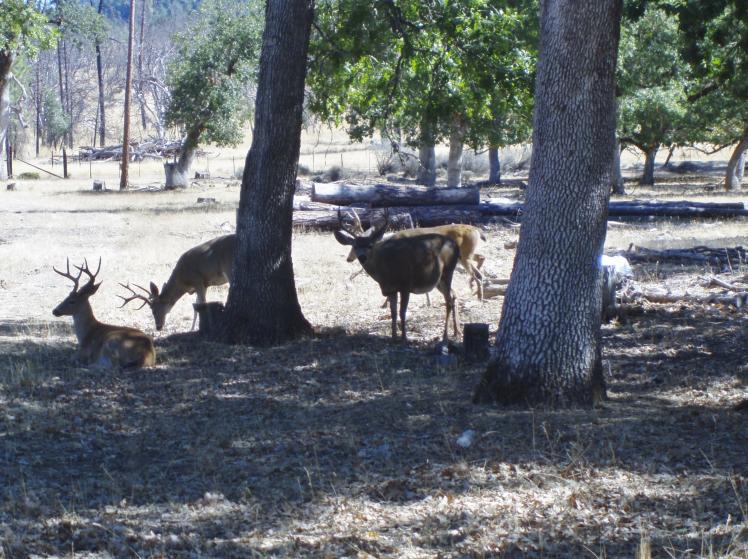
(736, 164)
(454, 163)
(494, 165)
(648, 176)
(262, 306)
(140, 90)
(123, 180)
(6, 63)
(548, 343)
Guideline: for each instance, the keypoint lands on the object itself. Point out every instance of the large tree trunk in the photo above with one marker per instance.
(427, 165)
(648, 177)
(548, 344)
(262, 306)
(178, 174)
(735, 166)
(6, 63)
(617, 187)
(454, 163)
(123, 180)
(426, 157)
(494, 165)
(100, 80)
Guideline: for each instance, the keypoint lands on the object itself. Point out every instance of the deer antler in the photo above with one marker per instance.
(68, 275)
(357, 228)
(85, 270)
(135, 296)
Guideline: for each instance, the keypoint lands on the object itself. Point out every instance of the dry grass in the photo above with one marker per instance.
(345, 444)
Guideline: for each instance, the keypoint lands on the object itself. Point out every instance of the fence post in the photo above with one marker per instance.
(64, 163)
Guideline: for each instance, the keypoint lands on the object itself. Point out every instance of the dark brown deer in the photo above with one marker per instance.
(407, 265)
(102, 345)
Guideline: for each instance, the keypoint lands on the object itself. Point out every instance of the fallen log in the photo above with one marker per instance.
(385, 195)
(737, 300)
(722, 257)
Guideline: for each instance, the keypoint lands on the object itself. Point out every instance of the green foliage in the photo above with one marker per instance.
(23, 29)
(216, 57)
(80, 23)
(652, 80)
(412, 67)
(56, 124)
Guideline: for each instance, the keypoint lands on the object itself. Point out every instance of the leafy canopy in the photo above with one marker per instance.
(216, 56)
(23, 29)
(413, 67)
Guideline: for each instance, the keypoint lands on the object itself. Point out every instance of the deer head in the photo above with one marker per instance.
(159, 307)
(77, 297)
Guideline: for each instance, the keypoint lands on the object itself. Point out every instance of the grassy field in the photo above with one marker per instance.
(345, 444)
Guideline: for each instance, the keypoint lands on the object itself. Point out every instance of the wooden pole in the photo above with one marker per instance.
(64, 162)
(128, 86)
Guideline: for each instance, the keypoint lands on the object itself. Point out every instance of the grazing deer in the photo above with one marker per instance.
(102, 345)
(467, 238)
(407, 265)
(202, 266)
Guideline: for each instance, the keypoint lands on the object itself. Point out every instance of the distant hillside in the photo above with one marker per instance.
(161, 9)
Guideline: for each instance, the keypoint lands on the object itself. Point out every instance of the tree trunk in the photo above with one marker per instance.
(454, 163)
(123, 181)
(548, 345)
(617, 186)
(178, 174)
(494, 165)
(262, 306)
(648, 177)
(383, 195)
(100, 80)
(736, 164)
(427, 165)
(68, 106)
(38, 107)
(140, 90)
(6, 63)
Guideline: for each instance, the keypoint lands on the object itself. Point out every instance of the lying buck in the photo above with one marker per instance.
(199, 268)
(407, 265)
(102, 345)
(467, 238)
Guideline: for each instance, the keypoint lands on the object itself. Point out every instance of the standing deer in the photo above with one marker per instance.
(407, 265)
(102, 345)
(202, 266)
(467, 238)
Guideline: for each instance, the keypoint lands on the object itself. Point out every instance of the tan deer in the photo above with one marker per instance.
(102, 345)
(467, 238)
(203, 266)
(407, 265)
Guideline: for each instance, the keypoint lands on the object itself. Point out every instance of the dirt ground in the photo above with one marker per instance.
(346, 444)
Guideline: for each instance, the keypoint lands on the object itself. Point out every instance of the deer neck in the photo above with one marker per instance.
(173, 291)
(84, 321)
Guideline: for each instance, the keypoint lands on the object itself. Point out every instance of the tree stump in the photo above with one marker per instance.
(99, 186)
(475, 340)
(10, 186)
(210, 317)
(202, 175)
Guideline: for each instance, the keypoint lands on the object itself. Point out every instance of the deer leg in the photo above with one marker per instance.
(404, 297)
(393, 313)
(200, 299)
(450, 300)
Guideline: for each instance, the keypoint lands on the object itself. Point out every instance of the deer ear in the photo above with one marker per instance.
(344, 237)
(154, 289)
